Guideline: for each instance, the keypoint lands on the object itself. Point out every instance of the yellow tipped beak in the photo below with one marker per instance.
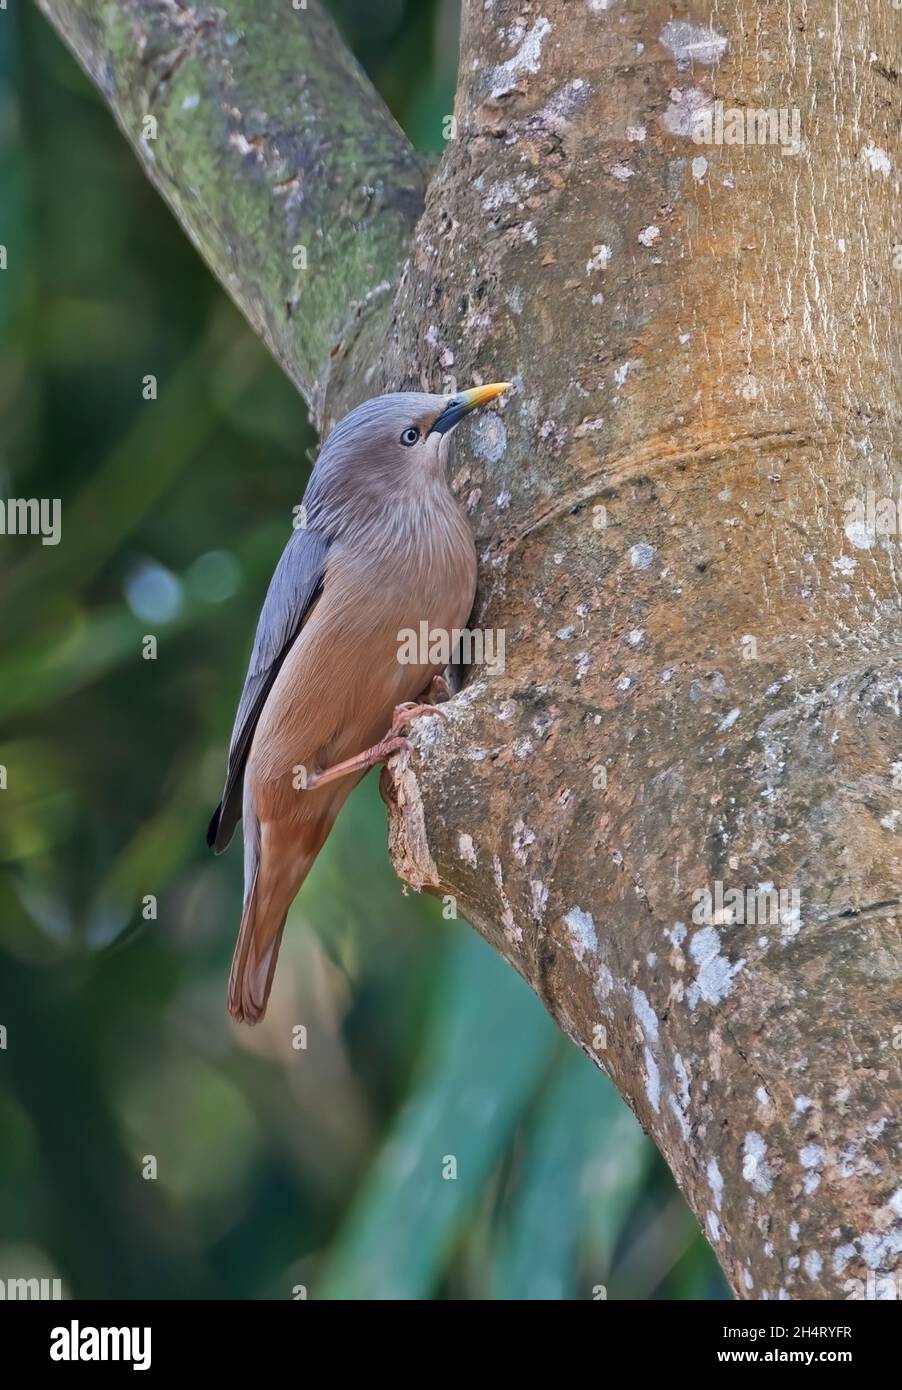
(479, 395)
(460, 405)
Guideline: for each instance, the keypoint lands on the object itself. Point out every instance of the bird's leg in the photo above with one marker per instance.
(392, 743)
(361, 762)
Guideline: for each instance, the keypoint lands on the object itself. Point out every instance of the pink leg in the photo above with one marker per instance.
(392, 743)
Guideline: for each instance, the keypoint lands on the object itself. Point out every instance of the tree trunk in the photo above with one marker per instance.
(702, 685)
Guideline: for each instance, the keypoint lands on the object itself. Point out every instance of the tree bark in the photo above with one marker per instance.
(703, 681)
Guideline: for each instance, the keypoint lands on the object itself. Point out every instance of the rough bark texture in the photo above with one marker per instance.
(703, 675)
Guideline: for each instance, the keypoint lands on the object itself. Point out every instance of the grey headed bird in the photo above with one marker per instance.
(382, 547)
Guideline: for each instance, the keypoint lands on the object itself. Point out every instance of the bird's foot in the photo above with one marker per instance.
(393, 742)
(437, 692)
(405, 714)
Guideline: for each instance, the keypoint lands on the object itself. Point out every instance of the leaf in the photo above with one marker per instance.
(489, 1042)
(585, 1161)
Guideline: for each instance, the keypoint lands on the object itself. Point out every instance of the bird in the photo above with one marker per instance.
(380, 545)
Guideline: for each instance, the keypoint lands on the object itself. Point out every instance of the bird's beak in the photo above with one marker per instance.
(460, 405)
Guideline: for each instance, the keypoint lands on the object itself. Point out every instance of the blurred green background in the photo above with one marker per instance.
(277, 1167)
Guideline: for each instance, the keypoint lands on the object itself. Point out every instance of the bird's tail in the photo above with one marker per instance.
(254, 962)
(278, 857)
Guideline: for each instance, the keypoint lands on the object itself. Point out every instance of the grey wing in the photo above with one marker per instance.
(293, 590)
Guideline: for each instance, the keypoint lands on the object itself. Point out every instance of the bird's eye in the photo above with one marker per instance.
(410, 436)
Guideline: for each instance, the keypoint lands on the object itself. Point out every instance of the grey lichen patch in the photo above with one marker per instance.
(512, 930)
(693, 43)
(715, 972)
(755, 1168)
(683, 1084)
(601, 255)
(467, 849)
(652, 1080)
(875, 159)
(648, 1020)
(557, 115)
(715, 1181)
(880, 1249)
(685, 110)
(581, 929)
(489, 438)
(811, 1157)
(538, 898)
(642, 555)
(525, 60)
(603, 985)
(648, 1028)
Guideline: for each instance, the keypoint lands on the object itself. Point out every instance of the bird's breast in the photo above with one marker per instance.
(390, 605)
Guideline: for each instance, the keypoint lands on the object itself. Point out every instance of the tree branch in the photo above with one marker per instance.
(268, 138)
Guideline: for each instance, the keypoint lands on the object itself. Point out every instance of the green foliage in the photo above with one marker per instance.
(276, 1165)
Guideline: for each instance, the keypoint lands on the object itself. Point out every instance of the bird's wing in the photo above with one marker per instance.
(293, 591)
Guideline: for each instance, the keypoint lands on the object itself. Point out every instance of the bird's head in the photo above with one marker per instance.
(430, 419)
(401, 437)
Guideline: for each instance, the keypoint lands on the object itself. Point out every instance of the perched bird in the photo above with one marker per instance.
(383, 545)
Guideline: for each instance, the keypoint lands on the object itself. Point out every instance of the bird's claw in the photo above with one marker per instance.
(407, 712)
(393, 743)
